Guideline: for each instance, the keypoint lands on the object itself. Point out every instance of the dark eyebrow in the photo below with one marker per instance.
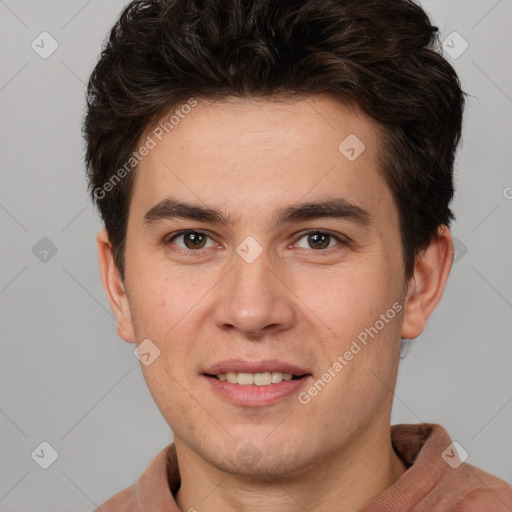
(335, 208)
(338, 208)
(170, 208)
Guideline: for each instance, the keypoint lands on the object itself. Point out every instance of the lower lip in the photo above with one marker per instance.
(254, 396)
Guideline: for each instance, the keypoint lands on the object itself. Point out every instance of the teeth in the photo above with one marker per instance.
(263, 379)
(245, 378)
(259, 379)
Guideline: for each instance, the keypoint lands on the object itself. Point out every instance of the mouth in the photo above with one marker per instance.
(255, 383)
(266, 378)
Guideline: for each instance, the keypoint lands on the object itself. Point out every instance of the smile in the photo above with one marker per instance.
(258, 379)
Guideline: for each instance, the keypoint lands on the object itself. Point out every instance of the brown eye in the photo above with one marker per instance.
(318, 240)
(194, 240)
(191, 240)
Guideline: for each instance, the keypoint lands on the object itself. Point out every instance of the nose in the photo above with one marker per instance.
(254, 300)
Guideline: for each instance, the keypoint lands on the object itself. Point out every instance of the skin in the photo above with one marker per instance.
(295, 302)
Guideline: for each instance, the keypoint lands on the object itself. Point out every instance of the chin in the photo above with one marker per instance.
(266, 469)
(261, 461)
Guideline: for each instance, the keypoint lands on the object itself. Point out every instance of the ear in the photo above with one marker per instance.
(427, 283)
(114, 288)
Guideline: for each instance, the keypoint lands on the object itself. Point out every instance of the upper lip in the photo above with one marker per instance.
(242, 365)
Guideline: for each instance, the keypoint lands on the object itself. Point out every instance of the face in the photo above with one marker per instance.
(252, 274)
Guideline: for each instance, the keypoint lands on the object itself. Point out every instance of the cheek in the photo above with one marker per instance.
(361, 307)
(161, 298)
(170, 394)
(155, 313)
(349, 297)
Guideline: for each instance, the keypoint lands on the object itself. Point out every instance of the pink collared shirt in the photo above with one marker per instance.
(433, 482)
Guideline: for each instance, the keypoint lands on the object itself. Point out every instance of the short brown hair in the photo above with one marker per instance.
(381, 55)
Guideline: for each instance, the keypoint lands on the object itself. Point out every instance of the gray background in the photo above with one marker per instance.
(65, 376)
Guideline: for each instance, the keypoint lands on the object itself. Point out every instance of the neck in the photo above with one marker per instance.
(347, 480)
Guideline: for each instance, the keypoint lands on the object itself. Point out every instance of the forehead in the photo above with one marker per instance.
(288, 127)
(255, 153)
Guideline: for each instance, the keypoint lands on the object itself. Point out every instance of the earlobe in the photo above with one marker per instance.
(114, 288)
(427, 284)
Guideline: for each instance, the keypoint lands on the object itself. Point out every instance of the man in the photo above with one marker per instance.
(275, 180)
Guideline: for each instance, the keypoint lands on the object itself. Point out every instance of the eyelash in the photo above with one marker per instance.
(169, 239)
